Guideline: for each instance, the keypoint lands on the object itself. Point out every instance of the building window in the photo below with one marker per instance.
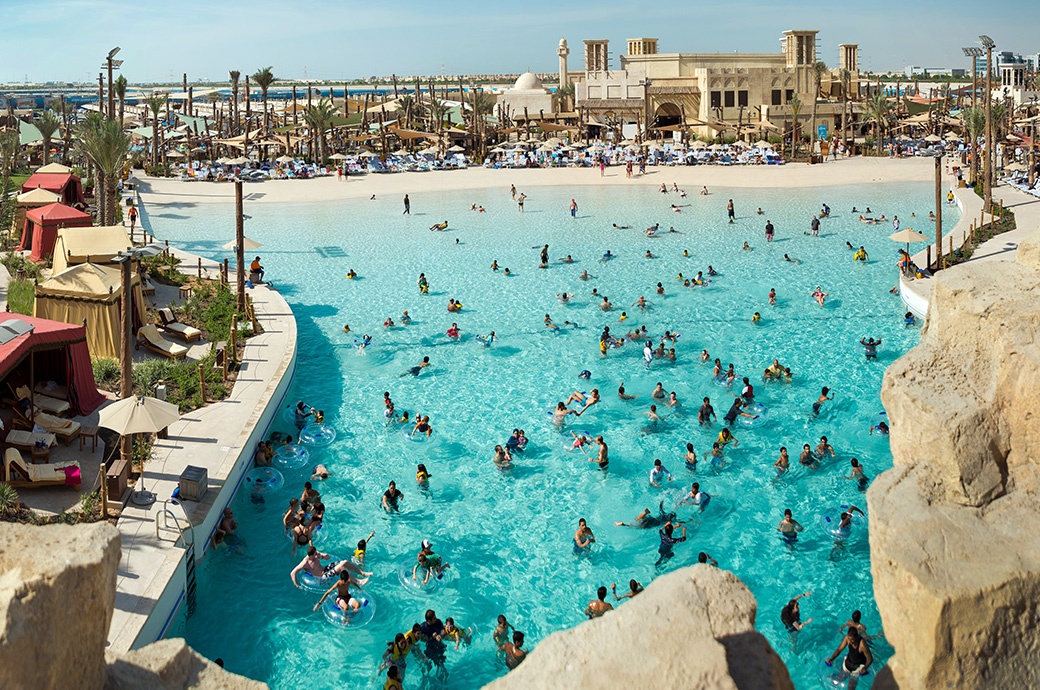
(742, 98)
(716, 99)
(729, 99)
(778, 96)
(789, 95)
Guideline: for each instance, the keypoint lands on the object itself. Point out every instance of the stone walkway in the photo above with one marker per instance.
(219, 438)
(1027, 221)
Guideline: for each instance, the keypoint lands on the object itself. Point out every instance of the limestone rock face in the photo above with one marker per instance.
(57, 589)
(954, 549)
(693, 628)
(171, 665)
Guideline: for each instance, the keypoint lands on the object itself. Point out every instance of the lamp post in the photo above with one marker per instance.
(989, 45)
(974, 53)
(240, 276)
(646, 83)
(111, 64)
(126, 388)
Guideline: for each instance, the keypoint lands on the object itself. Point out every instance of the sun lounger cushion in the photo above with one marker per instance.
(44, 402)
(28, 439)
(155, 340)
(185, 331)
(67, 472)
(57, 425)
(49, 404)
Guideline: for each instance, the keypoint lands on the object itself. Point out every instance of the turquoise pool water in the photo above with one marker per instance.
(508, 535)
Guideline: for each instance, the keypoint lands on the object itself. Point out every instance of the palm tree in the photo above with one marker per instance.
(975, 122)
(879, 110)
(436, 111)
(563, 96)
(119, 87)
(156, 103)
(406, 103)
(48, 124)
(234, 74)
(816, 70)
(318, 118)
(264, 78)
(9, 143)
(105, 144)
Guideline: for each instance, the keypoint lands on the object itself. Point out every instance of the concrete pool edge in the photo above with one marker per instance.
(152, 578)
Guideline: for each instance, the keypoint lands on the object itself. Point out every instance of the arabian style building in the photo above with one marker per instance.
(711, 93)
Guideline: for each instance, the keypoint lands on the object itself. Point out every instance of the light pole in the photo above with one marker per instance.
(646, 83)
(111, 64)
(126, 387)
(240, 258)
(989, 45)
(974, 52)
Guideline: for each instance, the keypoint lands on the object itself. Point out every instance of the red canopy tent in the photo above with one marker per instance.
(65, 185)
(41, 227)
(57, 352)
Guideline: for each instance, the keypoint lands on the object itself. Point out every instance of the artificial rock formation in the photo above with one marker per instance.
(954, 549)
(57, 590)
(693, 628)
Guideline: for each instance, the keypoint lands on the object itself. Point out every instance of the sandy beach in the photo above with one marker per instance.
(689, 178)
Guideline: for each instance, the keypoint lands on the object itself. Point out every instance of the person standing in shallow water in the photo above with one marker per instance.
(407, 206)
(730, 210)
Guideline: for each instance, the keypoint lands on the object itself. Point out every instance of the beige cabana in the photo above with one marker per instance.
(34, 198)
(92, 294)
(54, 169)
(99, 245)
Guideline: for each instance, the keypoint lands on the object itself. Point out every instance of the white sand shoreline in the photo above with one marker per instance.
(160, 191)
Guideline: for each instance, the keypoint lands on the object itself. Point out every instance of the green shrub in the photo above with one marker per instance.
(21, 295)
(211, 309)
(106, 372)
(163, 269)
(14, 261)
(8, 498)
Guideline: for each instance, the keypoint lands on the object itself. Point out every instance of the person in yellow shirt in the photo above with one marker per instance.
(860, 255)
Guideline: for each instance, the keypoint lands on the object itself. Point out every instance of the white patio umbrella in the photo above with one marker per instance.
(698, 145)
(139, 415)
(247, 244)
(763, 144)
(934, 138)
(284, 159)
(338, 157)
(907, 235)
(456, 149)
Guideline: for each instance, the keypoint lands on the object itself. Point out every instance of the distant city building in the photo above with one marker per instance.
(912, 71)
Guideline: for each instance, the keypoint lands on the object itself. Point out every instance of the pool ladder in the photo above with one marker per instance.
(168, 521)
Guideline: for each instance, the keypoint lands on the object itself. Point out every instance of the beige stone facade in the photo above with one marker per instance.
(712, 92)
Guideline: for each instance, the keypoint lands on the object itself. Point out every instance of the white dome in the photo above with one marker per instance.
(528, 82)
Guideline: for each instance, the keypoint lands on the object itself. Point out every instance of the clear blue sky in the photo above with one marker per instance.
(65, 40)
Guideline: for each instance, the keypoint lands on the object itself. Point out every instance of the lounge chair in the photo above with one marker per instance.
(24, 475)
(64, 429)
(171, 325)
(43, 402)
(27, 440)
(150, 337)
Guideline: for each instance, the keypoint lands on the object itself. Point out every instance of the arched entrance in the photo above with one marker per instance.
(667, 114)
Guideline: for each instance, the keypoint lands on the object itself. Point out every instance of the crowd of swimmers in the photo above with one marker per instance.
(427, 640)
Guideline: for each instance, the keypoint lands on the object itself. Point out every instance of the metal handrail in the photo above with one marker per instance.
(166, 513)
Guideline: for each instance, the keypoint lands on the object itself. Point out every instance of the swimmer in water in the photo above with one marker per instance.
(621, 227)
(880, 427)
(690, 457)
(565, 297)
(696, 497)
(646, 521)
(502, 457)
(634, 588)
(807, 458)
(405, 318)
(567, 260)
(607, 257)
(652, 415)
(747, 247)
(561, 412)
(659, 392)
(789, 527)
(656, 472)
(605, 305)
(601, 458)
(706, 413)
(793, 261)
(641, 303)
(783, 462)
(819, 295)
(583, 538)
(858, 475)
(599, 606)
(623, 395)
(704, 356)
(417, 369)
(584, 275)
(549, 324)
(772, 295)
(823, 448)
(494, 265)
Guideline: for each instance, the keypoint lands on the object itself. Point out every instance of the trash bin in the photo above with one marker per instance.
(194, 482)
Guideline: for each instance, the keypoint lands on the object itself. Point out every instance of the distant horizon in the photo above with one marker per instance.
(318, 40)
